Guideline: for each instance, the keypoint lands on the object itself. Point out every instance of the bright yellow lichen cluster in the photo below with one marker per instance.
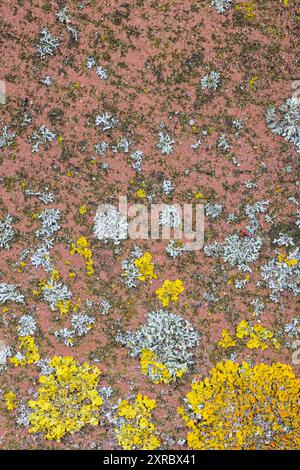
(64, 306)
(157, 371)
(287, 261)
(11, 402)
(170, 291)
(240, 407)
(82, 247)
(260, 337)
(138, 431)
(145, 267)
(67, 399)
(141, 193)
(82, 210)
(28, 352)
(226, 341)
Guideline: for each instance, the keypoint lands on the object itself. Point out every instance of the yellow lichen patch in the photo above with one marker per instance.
(28, 352)
(287, 261)
(170, 291)
(55, 274)
(141, 193)
(64, 306)
(199, 195)
(243, 407)
(11, 401)
(246, 8)
(226, 340)
(145, 267)
(243, 329)
(137, 432)
(252, 82)
(82, 210)
(157, 371)
(60, 139)
(67, 399)
(82, 247)
(260, 337)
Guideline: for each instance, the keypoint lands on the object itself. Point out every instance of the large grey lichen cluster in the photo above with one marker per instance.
(288, 125)
(238, 251)
(169, 336)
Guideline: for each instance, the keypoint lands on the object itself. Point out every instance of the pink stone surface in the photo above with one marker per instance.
(156, 54)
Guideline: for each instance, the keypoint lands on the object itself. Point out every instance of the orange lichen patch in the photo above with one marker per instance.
(244, 407)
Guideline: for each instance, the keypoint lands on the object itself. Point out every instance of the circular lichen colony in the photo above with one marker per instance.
(163, 344)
